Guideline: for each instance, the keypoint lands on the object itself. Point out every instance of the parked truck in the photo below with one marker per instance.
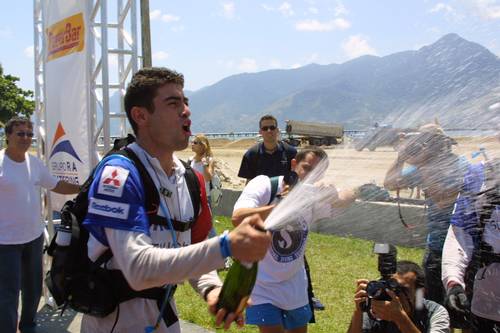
(313, 133)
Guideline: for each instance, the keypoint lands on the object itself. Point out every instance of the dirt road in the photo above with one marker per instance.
(348, 167)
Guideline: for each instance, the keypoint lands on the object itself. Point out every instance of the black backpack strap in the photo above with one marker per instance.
(152, 198)
(485, 251)
(103, 258)
(194, 188)
(274, 188)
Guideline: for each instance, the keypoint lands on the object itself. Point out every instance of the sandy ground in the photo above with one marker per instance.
(348, 167)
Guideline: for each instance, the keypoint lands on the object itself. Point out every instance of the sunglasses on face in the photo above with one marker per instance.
(196, 142)
(24, 134)
(268, 128)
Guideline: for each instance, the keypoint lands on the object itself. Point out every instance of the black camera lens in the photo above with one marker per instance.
(375, 289)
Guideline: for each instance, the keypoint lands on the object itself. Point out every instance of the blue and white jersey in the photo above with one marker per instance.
(464, 212)
(467, 208)
(117, 200)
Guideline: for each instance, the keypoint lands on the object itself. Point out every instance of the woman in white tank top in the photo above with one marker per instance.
(202, 161)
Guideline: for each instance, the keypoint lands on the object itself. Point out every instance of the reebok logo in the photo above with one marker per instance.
(109, 208)
(106, 208)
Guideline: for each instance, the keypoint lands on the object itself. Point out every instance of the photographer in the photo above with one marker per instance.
(471, 254)
(404, 313)
(433, 166)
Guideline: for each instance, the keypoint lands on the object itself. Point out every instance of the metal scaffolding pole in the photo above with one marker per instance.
(111, 63)
(146, 34)
(114, 63)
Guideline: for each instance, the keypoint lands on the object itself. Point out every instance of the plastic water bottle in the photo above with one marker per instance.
(237, 287)
(63, 236)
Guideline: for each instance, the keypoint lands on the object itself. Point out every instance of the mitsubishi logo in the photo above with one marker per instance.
(113, 179)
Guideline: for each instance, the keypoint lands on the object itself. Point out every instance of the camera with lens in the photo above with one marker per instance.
(376, 290)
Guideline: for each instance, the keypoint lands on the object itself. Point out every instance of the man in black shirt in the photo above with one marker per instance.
(271, 157)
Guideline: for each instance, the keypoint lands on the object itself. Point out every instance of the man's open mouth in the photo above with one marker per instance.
(187, 126)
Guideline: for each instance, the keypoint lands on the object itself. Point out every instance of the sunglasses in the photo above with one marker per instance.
(196, 142)
(23, 134)
(268, 128)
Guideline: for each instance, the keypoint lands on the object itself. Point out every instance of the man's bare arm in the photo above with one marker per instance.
(240, 213)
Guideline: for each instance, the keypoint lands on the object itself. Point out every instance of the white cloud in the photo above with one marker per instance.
(441, 7)
(315, 25)
(447, 10)
(340, 9)
(356, 46)
(29, 52)
(160, 55)
(248, 65)
(295, 66)
(229, 10)
(155, 14)
(168, 18)
(341, 23)
(286, 9)
(486, 9)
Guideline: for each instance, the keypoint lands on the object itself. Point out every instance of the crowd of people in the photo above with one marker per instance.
(457, 286)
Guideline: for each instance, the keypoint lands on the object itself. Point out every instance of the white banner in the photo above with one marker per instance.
(66, 91)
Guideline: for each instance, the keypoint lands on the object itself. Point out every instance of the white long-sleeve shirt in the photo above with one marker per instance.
(146, 266)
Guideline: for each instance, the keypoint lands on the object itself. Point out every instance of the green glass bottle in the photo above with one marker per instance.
(237, 286)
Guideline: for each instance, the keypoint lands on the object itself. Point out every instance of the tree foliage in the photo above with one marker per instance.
(14, 101)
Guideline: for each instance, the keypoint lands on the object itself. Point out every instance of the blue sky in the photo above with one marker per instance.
(210, 40)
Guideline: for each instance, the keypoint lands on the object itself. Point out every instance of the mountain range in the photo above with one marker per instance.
(453, 80)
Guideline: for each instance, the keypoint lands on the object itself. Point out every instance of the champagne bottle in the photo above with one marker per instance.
(237, 286)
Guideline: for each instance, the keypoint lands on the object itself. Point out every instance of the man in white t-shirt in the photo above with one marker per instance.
(21, 227)
(279, 299)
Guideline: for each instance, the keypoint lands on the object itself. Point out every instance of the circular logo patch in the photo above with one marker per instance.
(288, 242)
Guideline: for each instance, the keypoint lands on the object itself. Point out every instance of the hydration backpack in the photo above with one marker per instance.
(86, 286)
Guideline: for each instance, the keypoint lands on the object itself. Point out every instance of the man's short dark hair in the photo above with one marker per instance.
(267, 117)
(143, 87)
(318, 152)
(406, 266)
(16, 121)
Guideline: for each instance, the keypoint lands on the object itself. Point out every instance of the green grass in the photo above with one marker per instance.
(335, 262)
